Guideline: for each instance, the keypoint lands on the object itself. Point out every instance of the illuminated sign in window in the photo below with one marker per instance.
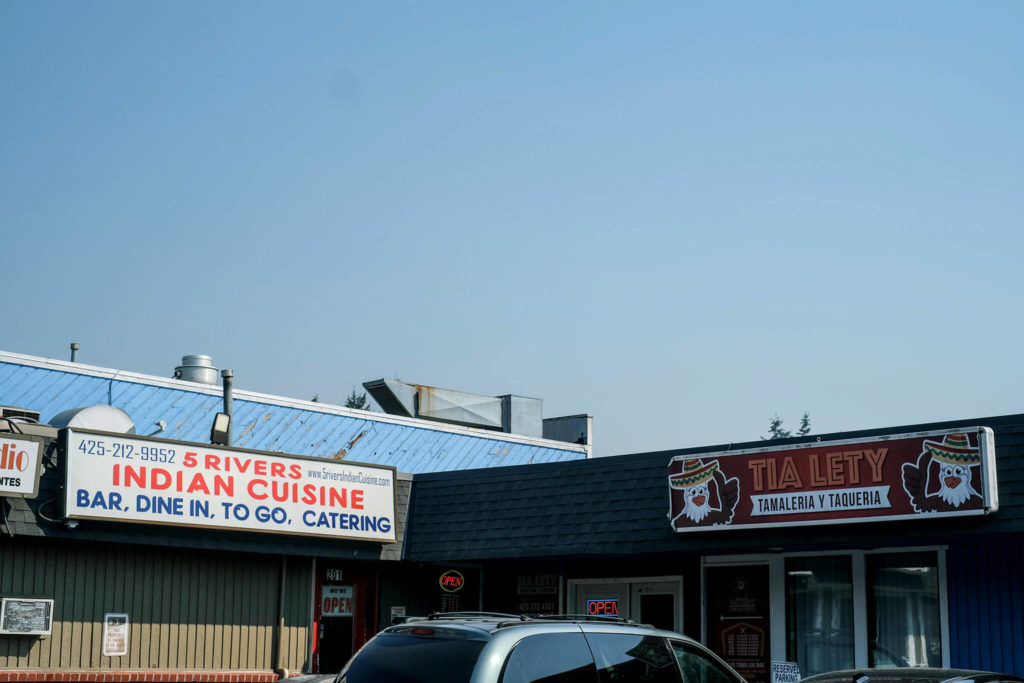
(605, 608)
(452, 581)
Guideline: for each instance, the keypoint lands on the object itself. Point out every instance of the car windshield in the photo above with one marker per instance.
(403, 658)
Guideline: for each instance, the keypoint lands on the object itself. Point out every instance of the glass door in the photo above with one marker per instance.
(658, 603)
(738, 617)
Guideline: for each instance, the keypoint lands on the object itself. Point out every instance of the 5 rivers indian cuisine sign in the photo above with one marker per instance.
(131, 479)
(902, 476)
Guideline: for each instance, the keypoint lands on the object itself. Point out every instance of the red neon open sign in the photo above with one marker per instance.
(452, 581)
(606, 608)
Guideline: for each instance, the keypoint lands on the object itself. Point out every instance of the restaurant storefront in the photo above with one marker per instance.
(133, 558)
(896, 547)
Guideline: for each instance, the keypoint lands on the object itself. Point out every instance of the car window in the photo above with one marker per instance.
(550, 658)
(401, 658)
(632, 658)
(697, 667)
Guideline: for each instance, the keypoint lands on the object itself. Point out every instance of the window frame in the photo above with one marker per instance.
(777, 579)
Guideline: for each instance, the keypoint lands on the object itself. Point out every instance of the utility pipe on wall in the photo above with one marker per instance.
(279, 644)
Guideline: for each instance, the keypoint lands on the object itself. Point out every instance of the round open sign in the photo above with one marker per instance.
(452, 581)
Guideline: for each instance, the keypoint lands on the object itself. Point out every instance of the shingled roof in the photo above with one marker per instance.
(618, 506)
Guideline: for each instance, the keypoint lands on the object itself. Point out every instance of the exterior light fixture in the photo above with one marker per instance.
(221, 429)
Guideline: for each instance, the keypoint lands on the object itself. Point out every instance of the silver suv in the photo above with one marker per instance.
(481, 647)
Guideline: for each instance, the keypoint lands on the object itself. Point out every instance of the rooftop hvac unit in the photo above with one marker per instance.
(8, 412)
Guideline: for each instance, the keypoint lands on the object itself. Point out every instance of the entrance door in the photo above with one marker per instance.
(657, 603)
(738, 617)
(336, 627)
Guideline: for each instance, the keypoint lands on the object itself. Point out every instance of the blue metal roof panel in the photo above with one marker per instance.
(267, 423)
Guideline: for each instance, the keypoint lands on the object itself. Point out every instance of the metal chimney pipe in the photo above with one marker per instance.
(74, 352)
(229, 377)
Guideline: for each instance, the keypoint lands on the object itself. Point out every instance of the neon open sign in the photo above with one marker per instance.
(605, 608)
(452, 581)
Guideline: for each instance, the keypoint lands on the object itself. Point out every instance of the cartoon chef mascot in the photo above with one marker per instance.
(708, 497)
(941, 479)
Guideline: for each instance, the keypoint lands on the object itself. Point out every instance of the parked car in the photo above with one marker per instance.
(911, 675)
(504, 648)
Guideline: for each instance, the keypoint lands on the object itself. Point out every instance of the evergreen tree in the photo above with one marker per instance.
(776, 431)
(358, 401)
(805, 425)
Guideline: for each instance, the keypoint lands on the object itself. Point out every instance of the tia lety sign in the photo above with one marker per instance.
(903, 476)
(132, 479)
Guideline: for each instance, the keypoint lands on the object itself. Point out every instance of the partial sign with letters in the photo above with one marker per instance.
(336, 601)
(785, 672)
(124, 478)
(903, 476)
(20, 465)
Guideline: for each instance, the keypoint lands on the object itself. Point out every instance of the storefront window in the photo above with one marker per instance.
(819, 613)
(903, 610)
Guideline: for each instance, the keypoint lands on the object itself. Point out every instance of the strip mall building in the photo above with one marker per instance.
(896, 546)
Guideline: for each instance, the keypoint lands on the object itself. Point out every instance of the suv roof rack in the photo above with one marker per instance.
(433, 616)
(583, 617)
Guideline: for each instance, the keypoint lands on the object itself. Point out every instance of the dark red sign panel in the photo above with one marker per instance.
(901, 476)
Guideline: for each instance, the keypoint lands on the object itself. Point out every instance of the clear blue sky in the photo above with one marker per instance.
(682, 218)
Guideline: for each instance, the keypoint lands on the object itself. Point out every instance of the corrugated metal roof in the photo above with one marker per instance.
(268, 423)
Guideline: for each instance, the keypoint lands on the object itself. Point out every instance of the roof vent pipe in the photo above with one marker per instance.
(74, 352)
(197, 369)
(229, 379)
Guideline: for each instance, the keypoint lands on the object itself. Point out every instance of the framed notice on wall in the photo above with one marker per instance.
(115, 635)
(26, 616)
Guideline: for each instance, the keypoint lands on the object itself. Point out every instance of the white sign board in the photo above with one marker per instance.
(115, 635)
(336, 601)
(126, 478)
(19, 468)
(785, 672)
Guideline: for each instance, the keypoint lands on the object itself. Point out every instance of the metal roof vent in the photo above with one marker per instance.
(100, 418)
(197, 369)
(9, 412)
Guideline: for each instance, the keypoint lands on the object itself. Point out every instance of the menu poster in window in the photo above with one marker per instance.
(26, 616)
(115, 635)
(738, 618)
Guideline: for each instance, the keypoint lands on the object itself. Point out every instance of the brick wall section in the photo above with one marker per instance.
(37, 675)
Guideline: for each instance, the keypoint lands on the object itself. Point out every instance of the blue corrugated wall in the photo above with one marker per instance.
(986, 606)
